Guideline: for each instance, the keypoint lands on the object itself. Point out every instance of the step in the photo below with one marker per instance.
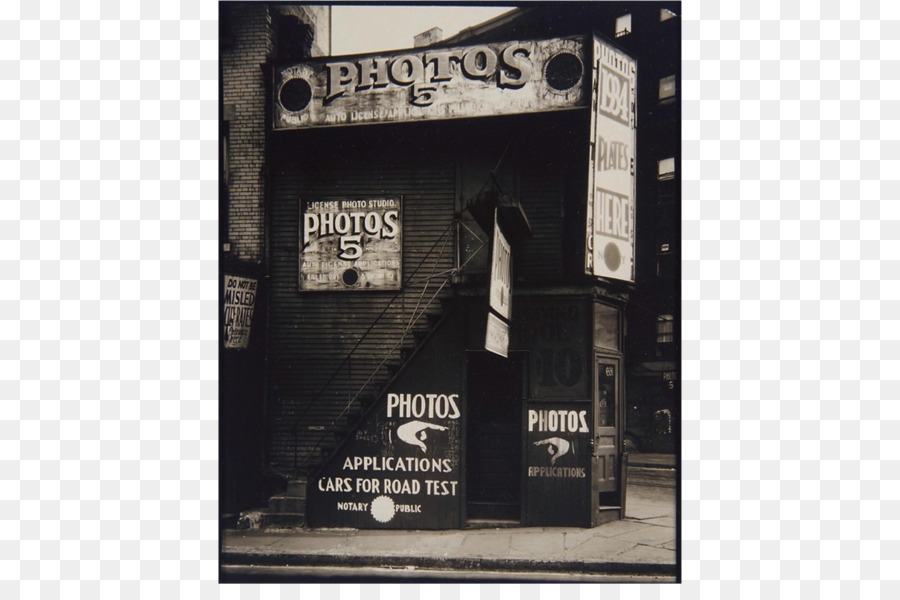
(287, 504)
(296, 488)
(284, 520)
(263, 519)
(606, 514)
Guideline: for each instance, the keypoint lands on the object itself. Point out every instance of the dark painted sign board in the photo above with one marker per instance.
(402, 468)
(558, 463)
(555, 331)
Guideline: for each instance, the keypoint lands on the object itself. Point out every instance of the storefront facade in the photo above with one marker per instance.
(402, 188)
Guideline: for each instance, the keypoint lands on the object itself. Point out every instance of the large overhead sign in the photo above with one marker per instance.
(350, 244)
(431, 83)
(610, 197)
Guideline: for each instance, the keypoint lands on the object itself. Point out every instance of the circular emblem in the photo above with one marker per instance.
(383, 509)
(295, 94)
(350, 277)
(612, 257)
(563, 71)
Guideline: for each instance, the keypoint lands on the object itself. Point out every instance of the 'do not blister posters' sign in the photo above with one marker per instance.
(610, 222)
(240, 298)
(351, 244)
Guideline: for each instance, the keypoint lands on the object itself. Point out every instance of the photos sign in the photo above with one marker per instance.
(351, 244)
(431, 83)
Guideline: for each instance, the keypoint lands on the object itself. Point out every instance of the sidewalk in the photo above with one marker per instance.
(639, 547)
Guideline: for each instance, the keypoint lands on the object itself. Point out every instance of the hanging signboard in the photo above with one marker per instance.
(501, 272)
(610, 198)
(350, 244)
(431, 83)
(496, 338)
(240, 298)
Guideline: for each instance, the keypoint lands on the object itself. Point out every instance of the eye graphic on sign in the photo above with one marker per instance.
(414, 433)
(556, 447)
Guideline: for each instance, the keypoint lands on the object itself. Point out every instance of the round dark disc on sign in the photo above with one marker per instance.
(563, 71)
(350, 277)
(295, 94)
(612, 257)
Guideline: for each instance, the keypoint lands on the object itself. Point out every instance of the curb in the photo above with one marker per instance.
(233, 559)
(258, 574)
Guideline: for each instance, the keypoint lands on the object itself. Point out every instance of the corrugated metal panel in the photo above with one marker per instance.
(541, 256)
(313, 332)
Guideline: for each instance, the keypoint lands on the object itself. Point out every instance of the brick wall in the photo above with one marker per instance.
(247, 43)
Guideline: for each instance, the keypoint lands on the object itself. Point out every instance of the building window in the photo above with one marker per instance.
(667, 88)
(665, 241)
(665, 329)
(666, 169)
(665, 14)
(623, 25)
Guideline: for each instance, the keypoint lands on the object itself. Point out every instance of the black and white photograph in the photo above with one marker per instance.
(449, 300)
(450, 292)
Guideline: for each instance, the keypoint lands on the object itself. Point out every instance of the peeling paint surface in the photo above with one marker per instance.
(432, 83)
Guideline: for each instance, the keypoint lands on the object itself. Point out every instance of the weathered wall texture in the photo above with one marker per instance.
(246, 44)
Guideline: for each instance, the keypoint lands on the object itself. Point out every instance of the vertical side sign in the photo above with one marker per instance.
(501, 272)
(496, 338)
(611, 192)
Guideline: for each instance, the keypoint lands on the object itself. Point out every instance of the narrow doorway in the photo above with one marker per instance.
(494, 437)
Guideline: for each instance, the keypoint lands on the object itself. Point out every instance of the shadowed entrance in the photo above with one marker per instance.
(493, 449)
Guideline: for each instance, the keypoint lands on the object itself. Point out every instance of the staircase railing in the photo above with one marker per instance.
(434, 279)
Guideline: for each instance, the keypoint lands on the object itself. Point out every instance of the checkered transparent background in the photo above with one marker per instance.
(108, 326)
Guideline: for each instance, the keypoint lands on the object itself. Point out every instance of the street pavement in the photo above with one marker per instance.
(641, 547)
